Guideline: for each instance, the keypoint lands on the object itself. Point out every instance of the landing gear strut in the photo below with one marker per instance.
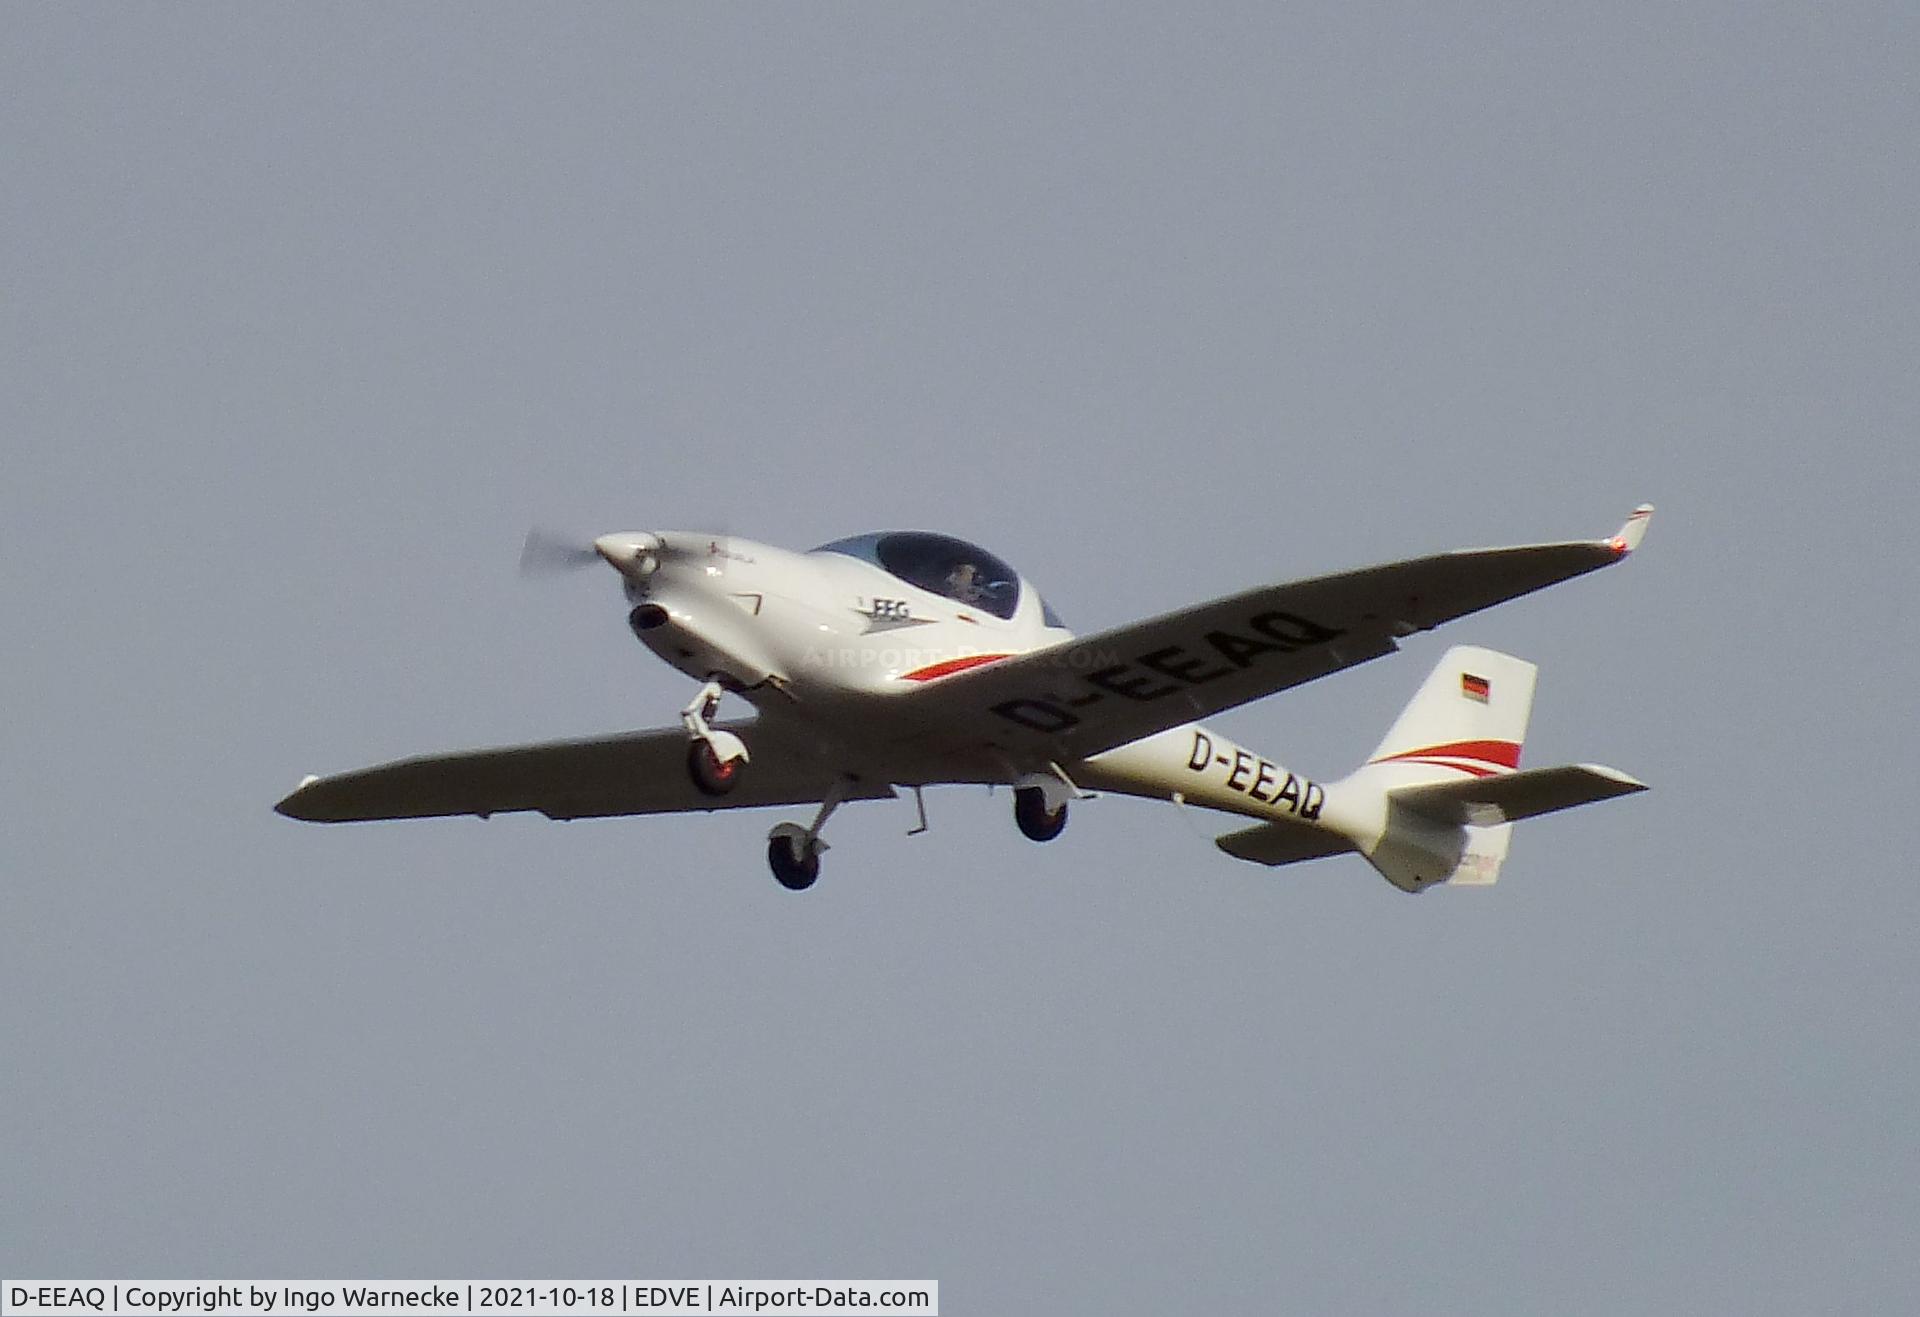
(714, 757)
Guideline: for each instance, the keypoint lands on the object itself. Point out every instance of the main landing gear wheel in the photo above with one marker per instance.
(789, 870)
(1030, 812)
(711, 775)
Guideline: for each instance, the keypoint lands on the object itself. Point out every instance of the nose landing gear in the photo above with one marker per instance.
(714, 757)
(712, 776)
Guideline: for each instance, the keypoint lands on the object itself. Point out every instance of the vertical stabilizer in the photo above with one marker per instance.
(1469, 716)
(1466, 723)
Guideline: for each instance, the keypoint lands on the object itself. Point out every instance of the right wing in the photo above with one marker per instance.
(1073, 700)
(631, 773)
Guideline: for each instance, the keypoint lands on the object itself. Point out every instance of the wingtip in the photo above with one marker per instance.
(1628, 537)
(291, 806)
(1625, 784)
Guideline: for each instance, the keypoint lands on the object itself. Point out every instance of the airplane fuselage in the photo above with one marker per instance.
(828, 639)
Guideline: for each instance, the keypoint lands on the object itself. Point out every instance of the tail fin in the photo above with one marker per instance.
(1469, 716)
(1437, 799)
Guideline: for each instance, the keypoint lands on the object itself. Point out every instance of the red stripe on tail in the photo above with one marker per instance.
(1500, 754)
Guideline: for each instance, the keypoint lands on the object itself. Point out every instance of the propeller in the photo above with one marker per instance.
(547, 553)
(635, 554)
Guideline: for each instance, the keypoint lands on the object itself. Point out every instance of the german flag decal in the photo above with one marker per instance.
(1475, 688)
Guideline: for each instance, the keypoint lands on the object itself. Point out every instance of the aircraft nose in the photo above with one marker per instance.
(631, 552)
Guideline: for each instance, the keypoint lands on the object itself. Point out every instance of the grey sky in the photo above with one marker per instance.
(309, 312)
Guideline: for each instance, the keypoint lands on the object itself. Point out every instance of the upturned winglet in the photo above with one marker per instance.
(1628, 537)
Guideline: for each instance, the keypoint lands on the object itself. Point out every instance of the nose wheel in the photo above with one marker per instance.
(712, 775)
(714, 758)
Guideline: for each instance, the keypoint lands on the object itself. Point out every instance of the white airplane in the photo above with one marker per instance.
(907, 659)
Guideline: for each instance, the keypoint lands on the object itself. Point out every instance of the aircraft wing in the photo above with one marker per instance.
(1073, 700)
(630, 773)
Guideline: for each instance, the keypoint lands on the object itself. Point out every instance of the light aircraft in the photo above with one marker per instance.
(907, 659)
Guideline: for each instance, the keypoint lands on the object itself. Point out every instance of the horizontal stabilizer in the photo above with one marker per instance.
(1509, 797)
(1282, 843)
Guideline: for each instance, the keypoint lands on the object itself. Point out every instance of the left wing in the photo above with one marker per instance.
(1073, 700)
(632, 773)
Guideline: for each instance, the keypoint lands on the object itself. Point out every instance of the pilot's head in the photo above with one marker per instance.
(964, 581)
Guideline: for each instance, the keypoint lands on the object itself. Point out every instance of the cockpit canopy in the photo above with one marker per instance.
(938, 564)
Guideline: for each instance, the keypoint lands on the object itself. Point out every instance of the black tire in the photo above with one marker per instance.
(796, 875)
(1030, 812)
(710, 776)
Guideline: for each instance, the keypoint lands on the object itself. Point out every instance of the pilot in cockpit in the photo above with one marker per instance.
(963, 583)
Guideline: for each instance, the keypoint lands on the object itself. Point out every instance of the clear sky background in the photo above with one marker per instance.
(309, 312)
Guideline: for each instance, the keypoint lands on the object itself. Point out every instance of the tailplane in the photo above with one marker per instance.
(1437, 799)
